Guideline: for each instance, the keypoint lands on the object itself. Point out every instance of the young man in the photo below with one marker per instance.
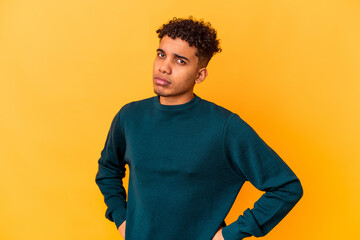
(188, 158)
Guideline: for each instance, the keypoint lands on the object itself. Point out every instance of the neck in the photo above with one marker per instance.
(175, 100)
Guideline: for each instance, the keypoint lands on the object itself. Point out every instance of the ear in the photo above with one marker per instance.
(201, 75)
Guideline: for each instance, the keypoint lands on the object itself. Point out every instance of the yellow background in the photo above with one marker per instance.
(291, 69)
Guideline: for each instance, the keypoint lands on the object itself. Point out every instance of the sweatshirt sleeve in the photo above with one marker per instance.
(253, 160)
(111, 171)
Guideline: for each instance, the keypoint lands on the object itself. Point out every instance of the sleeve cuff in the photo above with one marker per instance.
(119, 216)
(231, 232)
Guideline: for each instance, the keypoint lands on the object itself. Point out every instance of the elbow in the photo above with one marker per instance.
(297, 191)
(292, 192)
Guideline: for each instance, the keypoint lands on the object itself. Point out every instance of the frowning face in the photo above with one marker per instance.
(176, 71)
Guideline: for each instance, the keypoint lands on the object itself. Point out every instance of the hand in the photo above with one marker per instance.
(122, 229)
(218, 235)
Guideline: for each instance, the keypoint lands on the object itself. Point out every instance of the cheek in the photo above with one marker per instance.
(190, 76)
(185, 80)
(154, 65)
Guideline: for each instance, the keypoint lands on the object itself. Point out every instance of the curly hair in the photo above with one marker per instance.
(197, 33)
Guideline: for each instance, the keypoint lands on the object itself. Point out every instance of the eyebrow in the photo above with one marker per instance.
(176, 55)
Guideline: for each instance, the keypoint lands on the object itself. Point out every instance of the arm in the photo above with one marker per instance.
(111, 172)
(122, 229)
(256, 162)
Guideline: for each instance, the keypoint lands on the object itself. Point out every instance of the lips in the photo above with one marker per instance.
(161, 81)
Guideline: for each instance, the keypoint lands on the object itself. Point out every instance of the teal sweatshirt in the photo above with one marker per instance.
(187, 164)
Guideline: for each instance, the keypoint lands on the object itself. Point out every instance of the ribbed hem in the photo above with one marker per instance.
(183, 106)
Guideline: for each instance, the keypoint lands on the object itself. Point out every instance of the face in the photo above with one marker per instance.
(176, 71)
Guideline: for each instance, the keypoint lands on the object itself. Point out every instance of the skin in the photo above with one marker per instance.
(176, 63)
(122, 229)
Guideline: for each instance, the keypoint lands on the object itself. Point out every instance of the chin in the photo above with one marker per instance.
(159, 93)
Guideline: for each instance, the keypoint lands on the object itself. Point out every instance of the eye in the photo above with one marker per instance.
(160, 54)
(180, 61)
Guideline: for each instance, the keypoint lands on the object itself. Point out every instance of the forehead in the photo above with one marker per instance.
(177, 46)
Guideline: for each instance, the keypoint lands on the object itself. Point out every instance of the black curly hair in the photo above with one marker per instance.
(197, 33)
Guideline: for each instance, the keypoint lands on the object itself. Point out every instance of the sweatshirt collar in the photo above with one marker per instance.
(186, 105)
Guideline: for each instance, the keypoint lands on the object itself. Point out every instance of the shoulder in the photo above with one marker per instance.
(231, 119)
(216, 109)
(135, 106)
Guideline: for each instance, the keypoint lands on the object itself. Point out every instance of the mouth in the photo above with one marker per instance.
(161, 81)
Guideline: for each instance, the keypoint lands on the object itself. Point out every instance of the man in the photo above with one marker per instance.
(188, 158)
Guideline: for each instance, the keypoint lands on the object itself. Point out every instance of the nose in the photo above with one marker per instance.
(165, 67)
